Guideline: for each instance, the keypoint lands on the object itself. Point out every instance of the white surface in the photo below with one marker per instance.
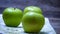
(47, 29)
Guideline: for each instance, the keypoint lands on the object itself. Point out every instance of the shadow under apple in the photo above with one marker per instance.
(38, 33)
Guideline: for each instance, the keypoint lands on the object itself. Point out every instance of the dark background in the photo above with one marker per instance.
(51, 8)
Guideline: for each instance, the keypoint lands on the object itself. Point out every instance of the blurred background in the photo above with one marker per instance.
(50, 8)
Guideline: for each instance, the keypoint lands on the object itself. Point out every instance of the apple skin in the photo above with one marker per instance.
(33, 9)
(12, 17)
(33, 22)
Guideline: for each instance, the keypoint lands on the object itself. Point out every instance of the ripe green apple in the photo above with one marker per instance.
(32, 22)
(12, 17)
(33, 9)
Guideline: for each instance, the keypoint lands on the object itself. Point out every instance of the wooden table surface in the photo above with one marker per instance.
(55, 22)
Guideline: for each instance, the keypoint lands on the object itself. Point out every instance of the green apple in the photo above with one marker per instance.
(12, 17)
(33, 9)
(32, 22)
